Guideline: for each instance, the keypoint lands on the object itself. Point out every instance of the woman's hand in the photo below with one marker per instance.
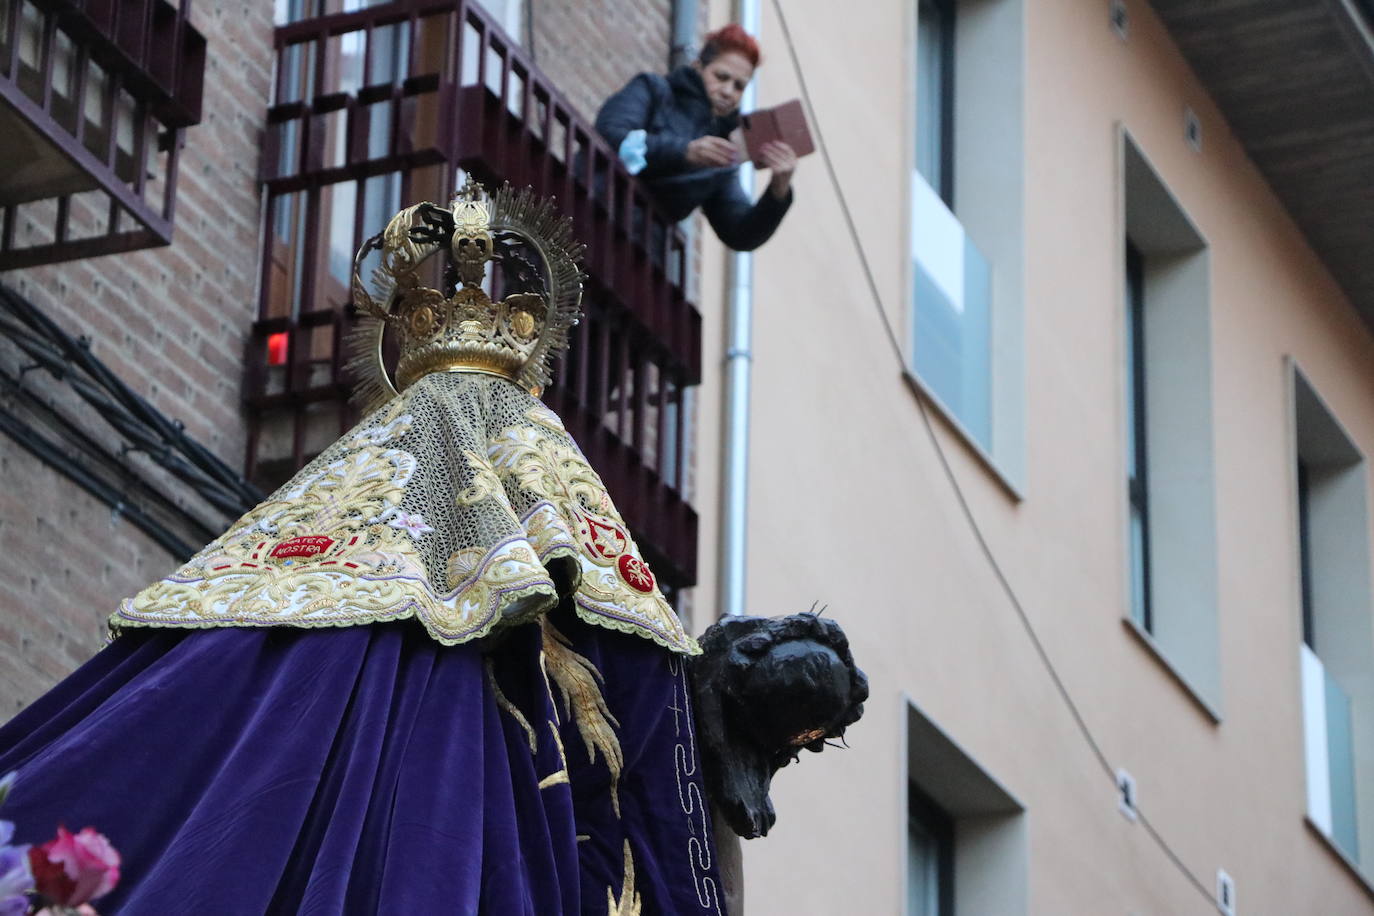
(708, 152)
(780, 159)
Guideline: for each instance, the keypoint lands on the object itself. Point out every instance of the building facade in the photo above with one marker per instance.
(1083, 475)
(1127, 306)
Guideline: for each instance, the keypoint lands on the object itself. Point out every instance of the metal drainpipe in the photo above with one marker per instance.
(684, 37)
(738, 358)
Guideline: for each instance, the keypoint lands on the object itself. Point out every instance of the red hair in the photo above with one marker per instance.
(731, 38)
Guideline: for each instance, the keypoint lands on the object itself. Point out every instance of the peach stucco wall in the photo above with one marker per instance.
(849, 506)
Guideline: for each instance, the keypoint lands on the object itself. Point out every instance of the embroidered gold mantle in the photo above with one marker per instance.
(463, 503)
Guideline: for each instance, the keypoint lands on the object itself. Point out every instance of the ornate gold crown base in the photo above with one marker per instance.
(485, 358)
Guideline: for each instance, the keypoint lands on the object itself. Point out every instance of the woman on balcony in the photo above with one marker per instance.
(674, 133)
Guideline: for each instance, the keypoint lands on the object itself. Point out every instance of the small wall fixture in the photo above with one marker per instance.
(1125, 798)
(1121, 19)
(1226, 893)
(1192, 129)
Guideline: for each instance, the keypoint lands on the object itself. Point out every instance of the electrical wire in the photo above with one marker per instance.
(975, 528)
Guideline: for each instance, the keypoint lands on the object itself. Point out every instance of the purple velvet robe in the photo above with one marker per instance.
(368, 770)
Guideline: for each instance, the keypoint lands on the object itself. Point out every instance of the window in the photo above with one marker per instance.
(930, 857)
(1170, 487)
(966, 835)
(967, 181)
(1331, 484)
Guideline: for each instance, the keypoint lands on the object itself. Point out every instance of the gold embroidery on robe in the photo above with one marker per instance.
(617, 589)
(580, 683)
(453, 504)
(629, 903)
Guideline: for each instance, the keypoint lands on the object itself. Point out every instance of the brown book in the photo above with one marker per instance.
(785, 122)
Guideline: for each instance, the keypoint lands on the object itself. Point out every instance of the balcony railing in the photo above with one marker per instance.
(383, 106)
(95, 94)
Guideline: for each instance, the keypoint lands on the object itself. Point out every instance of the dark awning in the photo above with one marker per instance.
(1295, 80)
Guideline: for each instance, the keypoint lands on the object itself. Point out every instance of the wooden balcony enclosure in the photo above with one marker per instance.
(380, 108)
(94, 95)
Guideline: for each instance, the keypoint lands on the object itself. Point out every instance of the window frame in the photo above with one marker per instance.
(1331, 480)
(1183, 630)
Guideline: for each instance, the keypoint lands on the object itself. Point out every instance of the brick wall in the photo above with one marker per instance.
(171, 322)
(592, 48)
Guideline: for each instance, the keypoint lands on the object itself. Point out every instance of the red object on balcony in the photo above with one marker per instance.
(276, 349)
(94, 95)
(376, 109)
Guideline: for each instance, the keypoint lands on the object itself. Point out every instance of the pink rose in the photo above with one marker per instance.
(75, 867)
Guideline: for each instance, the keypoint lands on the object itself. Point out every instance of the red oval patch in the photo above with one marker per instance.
(635, 572)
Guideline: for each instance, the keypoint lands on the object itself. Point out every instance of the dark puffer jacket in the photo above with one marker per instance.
(673, 111)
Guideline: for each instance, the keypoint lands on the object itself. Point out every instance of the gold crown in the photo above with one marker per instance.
(459, 326)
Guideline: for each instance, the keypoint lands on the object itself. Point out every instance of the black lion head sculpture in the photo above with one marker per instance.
(764, 689)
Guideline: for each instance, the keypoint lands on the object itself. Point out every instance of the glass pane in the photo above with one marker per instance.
(333, 139)
(508, 16)
(382, 202)
(285, 11)
(1135, 361)
(345, 62)
(1138, 569)
(930, 95)
(1309, 635)
(923, 872)
(390, 53)
(1341, 761)
(289, 158)
(671, 400)
(340, 209)
(1132, 397)
(30, 42)
(953, 313)
(286, 252)
(296, 72)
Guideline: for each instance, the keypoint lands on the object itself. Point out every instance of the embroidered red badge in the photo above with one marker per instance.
(635, 572)
(305, 545)
(603, 540)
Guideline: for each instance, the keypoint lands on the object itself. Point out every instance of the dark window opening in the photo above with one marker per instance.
(935, 96)
(930, 856)
(1305, 552)
(1137, 452)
